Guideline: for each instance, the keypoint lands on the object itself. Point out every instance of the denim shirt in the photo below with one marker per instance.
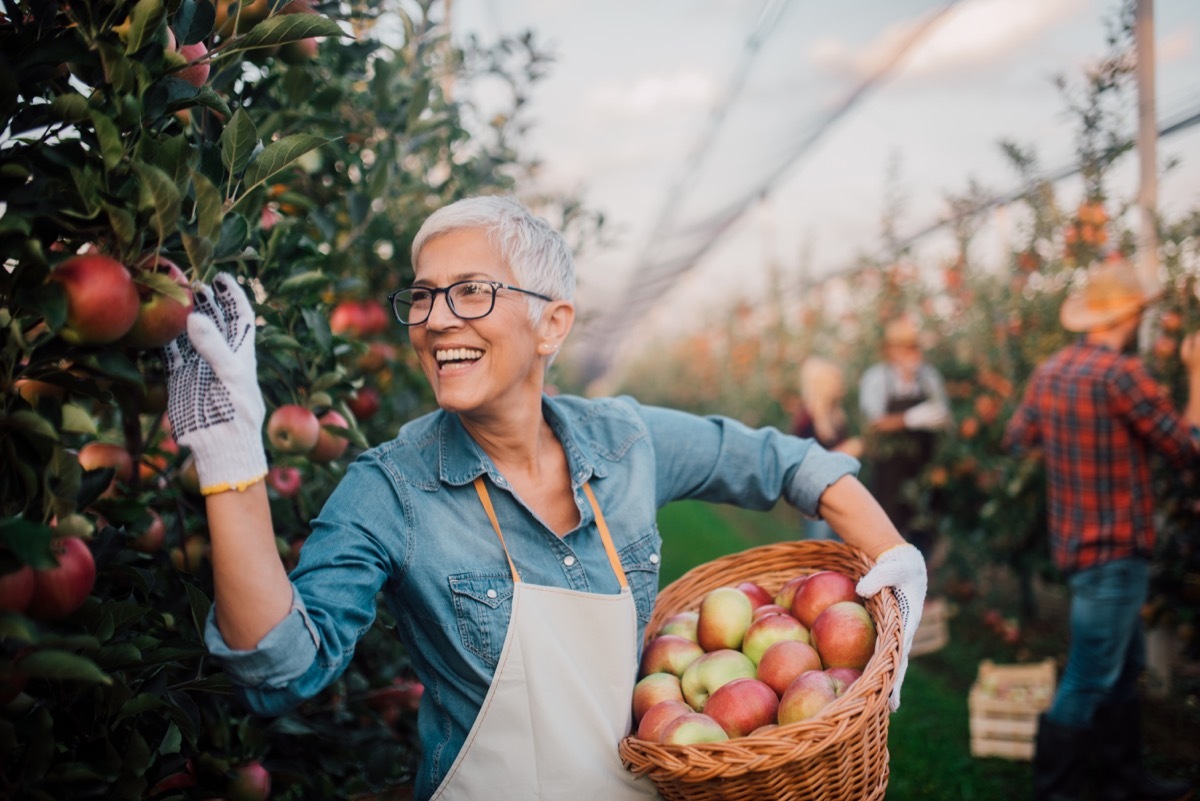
(406, 527)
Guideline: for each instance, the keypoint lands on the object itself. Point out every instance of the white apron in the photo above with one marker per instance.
(560, 700)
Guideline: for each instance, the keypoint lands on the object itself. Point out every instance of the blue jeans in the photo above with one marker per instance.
(1108, 645)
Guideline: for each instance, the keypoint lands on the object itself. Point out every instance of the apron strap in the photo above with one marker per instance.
(486, 500)
(606, 538)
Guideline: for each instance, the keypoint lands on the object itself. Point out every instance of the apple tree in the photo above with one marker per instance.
(147, 145)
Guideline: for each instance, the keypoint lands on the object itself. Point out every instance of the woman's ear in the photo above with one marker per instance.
(556, 323)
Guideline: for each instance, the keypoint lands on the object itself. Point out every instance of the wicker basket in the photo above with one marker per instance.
(841, 755)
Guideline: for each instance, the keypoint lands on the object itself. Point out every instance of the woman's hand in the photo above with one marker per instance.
(214, 402)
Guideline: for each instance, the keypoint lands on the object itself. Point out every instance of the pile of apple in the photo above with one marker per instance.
(747, 661)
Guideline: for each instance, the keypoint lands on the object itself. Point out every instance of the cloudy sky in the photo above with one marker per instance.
(674, 116)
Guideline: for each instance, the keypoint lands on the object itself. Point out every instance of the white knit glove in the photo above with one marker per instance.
(903, 569)
(214, 403)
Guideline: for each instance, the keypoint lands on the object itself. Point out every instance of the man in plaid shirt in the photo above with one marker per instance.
(1097, 417)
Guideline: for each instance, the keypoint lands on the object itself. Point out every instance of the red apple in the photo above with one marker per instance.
(766, 631)
(249, 782)
(669, 653)
(808, 695)
(770, 609)
(652, 689)
(844, 635)
(785, 594)
(195, 74)
(359, 318)
(16, 588)
(59, 591)
(742, 705)
(284, 480)
(784, 661)
(757, 595)
(102, 300)
(364, 403)
(330, 445)
(682, 624)
(153, 536)
(658, 716)
(96, 455)
(822, 588)
(293, 429)
(712, 670)
(692, 728)
(160, 318)
(191, 555)
(847, 675)
(725, 615)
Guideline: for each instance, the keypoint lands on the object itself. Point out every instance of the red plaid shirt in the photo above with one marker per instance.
(1098, 416)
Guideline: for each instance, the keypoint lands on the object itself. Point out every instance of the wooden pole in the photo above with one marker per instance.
(1147, 144)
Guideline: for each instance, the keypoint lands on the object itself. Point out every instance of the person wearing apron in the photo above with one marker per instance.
(521, 604)
(904, 403)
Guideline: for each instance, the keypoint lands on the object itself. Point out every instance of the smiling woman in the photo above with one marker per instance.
(493, 526)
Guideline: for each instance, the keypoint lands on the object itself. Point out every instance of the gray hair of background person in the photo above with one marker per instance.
(538, 255)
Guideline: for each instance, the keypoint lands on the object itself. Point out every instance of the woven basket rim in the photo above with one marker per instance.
(838, 723)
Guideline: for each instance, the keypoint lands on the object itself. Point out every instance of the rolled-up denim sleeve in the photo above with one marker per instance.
(285, 653)
(819, 470)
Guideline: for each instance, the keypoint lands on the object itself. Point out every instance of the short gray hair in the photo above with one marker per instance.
(538, 255)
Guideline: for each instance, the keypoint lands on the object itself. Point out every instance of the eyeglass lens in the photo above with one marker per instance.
(468, 300)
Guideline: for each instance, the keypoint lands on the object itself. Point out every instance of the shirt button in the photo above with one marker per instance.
(570, 560)
(654, 559)
(491, 593)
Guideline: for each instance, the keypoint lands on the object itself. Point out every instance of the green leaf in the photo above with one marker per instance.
(172, 741)
(280, 341)
(163, 284)
(162, 196)
(31, 423)
(16, 628)
(89, 185)
(194, 21)
(28, 541)
(143, 21)
(301, 282)
(238, 141)
(117, 69)
(207, 98)
(114, 364)
(77, 420)
(112, 148)
(234, 232)
(199, 251)
(278, 155)
(72, 108)
(207, 210)
(139, 705)
(63, 666)
(122, 223)
(286, 28)
(199, 604)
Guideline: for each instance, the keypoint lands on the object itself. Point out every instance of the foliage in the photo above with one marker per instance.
(297, 147)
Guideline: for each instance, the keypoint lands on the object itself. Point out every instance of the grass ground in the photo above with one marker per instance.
(929, 735)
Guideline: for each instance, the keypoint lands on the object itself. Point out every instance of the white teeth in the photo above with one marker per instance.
(457, 355)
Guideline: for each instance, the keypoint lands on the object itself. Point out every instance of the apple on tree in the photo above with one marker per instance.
(293, 428)
(160, 317)
(742, 705)
(152, 537)
(97, 455)
(712, 670)
(16, 588)
(102, 300)
(364, 403)
(284, 480)
(330, 445)
(58, 591)
(249, 782)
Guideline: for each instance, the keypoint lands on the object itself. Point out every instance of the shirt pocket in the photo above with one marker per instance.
(482, 606)
(641, 560)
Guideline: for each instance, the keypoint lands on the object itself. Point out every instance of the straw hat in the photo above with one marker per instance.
(1110, 293)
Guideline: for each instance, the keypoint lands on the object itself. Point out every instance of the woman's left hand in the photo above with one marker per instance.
(903, 569)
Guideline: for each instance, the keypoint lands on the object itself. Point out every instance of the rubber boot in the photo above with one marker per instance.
(1121, 772)
(1058, 760)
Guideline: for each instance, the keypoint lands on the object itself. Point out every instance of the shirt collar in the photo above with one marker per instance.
(461, 460)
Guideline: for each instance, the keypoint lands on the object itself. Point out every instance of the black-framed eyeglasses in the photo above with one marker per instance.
(468, 300)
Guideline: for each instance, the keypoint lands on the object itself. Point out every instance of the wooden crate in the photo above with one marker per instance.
(934, 632)
(1004, 704)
